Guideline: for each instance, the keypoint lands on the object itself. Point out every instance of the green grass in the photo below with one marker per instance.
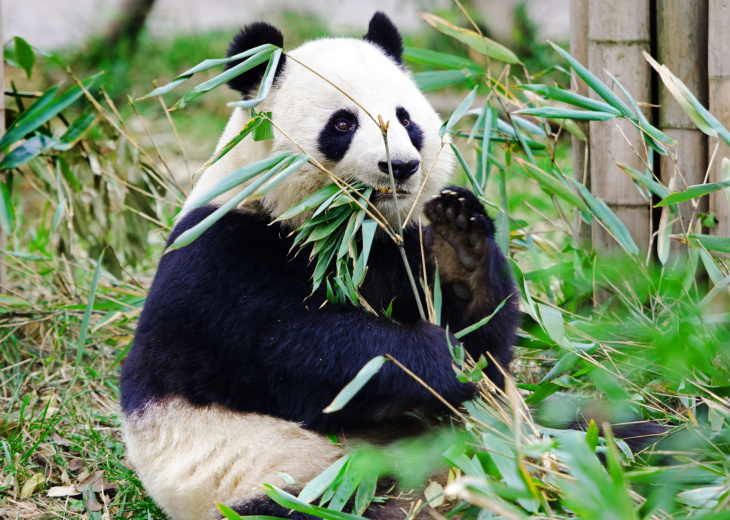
(647, 339)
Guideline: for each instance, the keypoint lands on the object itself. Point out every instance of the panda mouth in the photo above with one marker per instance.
(383, 192)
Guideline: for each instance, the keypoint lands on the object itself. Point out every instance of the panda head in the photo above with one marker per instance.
(326, 97)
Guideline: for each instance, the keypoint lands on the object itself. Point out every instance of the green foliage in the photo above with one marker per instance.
(85, 199)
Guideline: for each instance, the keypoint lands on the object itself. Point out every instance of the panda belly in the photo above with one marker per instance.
(191, 458)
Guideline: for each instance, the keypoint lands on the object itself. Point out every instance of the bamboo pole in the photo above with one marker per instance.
(618, 32)
(579, 50)
(682, 46)
(3, 237)
(718, 52)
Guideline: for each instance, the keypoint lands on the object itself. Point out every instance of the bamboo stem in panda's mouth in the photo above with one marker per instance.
(399, 230)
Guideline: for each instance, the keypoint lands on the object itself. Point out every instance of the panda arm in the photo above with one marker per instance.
(475, 276)
(314, 354)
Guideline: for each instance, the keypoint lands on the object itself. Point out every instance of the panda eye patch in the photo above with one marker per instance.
(414, 131)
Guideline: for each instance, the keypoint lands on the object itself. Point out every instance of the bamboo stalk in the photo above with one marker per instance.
(718, 47)
(579, 50)
(682, 46)
(3, 237)
(618, 32)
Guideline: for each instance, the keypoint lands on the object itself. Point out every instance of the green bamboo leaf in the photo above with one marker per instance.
(265, 130)
(552, 320)
(603, 213)
(30, 148)
(467, 170)
(250, 125)
(436, 79)
(474, 40)
(645, 180)
(187, 236)
(459, 112)
(592, 435)
(593, 82)
(440, 59)
(345, 489)
(562, 113)
(81, 344)
(365, 374)
(266, 82)
(482, 322)
(313, 201)
(552, 185)
(288, 501)
(314, 489)
(710, 242)
(6, 209)
(205, 65)
(571, 98)
(437, 296)
(74, 132)
(366, 489)
(368, 234)
(704, 120)
(220, 79)
(236, 178)
(43, 110)
(698, 190)
(24, 55)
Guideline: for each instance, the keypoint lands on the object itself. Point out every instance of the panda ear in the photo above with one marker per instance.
(383, 33)
(251, 36)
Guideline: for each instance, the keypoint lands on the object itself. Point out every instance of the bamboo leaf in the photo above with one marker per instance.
(314, 489)
(247, 129)
(74, 132)
(698, 190)
(205, 65)
(236, 178)
(310, 202)
(81, 344)
(552, 185)
(440, 59)
(220, 79)
(459, 112)
(561, 113)
(291, 502)
(474, 40)
(436, 79)
(711, 242)
(6, 209)
(704, 120)
(593, 82)
(552, 320)
(24, 55)
(365, 374)
(266, 82)
(30, 148)
(482, 322)
(571, 98)
(592, 435)
(467, 170)
(43, 110)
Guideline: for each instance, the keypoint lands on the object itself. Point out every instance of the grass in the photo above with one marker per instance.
(650, 339)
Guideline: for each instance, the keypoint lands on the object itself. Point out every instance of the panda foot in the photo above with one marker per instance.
(457, 238)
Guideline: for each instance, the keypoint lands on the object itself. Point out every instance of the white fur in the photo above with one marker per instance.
(301, 103)
(190, 458)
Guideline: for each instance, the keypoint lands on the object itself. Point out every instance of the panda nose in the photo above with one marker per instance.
(401, 170)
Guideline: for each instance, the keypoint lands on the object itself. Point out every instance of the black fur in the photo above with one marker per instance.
(334, 143)
(414, 131)
(228, 321)
(251, 36)
(383, 33)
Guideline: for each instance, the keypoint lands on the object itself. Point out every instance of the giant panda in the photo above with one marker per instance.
(233, 360)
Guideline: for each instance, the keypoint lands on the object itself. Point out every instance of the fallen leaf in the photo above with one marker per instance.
(95, 481)
(63, 491)
(434, 489)
(33, 484)
(75, 464)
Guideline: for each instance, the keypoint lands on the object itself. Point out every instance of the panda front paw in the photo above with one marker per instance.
(458, 237)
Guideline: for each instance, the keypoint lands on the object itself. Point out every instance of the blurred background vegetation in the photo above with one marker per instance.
(92, 179)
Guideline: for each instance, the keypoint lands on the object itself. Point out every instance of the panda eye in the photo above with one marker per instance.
(405, 122)
(343, 125)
